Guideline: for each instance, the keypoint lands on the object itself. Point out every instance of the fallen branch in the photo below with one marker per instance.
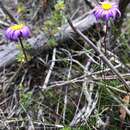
(39, 44)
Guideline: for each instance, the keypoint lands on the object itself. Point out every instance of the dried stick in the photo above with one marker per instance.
(50, 70)
(90, 104)
(102, 56)
(7, 13)
(65, 88)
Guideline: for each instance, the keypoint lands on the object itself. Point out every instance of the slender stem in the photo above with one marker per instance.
(105, 46)
(23, 49)
(104, 40)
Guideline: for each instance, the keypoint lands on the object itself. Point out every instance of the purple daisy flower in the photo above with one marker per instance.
(17, 31)
(106, 10)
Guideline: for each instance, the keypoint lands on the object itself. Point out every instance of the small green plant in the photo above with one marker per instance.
(25, 98)
(20, 57)
(53, 24)
(52, 42)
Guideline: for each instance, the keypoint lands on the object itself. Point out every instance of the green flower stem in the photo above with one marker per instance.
(104, 41)
(23, 49)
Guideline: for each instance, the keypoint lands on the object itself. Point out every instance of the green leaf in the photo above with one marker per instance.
(52, 42)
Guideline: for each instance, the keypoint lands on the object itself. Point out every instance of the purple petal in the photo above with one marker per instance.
(107, 16)
(12, 35)
(110, 13)
(8, 32)
(104, 13)
(25, 32)
(16, 35)
(113, 14)
(98, 14)
(119, 13)
(114, 5)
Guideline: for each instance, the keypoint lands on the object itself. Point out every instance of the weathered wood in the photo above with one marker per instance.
(9, 51)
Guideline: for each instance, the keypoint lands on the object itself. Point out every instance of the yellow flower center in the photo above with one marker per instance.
(106, 6)
(17, 27)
